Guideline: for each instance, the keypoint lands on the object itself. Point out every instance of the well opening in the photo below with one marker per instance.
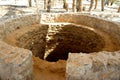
(71, 39)
(54, 42)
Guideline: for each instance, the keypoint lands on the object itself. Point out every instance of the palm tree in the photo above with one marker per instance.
(112, 1)
(15, 1)
(38, 14)
(48, 5)
(91, 5)
(73, 6)
(96, 3)
(109, 2)
(102, 5)
(119, 9)
(65, 5)
(79, 5)
(44, 4)
(30, 3)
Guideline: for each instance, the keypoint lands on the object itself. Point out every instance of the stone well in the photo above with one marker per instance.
(57, 35)
(15, 63)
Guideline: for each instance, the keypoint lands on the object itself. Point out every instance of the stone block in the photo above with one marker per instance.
(94, 66)
(15, 63)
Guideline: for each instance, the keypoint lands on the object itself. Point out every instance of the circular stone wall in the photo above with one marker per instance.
(15, 63)
(53, 40)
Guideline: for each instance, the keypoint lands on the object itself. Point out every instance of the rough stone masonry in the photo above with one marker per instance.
(16, 63)
(94, 66)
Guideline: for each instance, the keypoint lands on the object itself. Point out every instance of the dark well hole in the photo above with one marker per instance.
(63, 39)
(74, 39)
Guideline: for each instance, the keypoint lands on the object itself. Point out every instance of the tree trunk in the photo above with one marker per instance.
(15, 1)
(38, 14)
(79, 5)
(73, 6)
(49, 6)
(102, 5)
(112, 1)
(65, 5)
(30, 3)
(119, 9)
(96, 2)
(44, 4)
(106, 2)
(91, 5)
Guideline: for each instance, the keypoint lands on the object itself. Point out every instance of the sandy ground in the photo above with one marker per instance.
(44, 70)
(109, 13)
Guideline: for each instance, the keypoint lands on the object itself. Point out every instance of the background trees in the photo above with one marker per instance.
(79, 5)
(65, 5)
(30, 3)
(96, 3)
(76, 5)
(119, 9)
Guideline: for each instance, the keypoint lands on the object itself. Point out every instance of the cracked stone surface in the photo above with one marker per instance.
(94, 66)
(15, 63)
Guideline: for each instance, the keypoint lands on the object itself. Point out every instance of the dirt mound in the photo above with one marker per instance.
(43, 70)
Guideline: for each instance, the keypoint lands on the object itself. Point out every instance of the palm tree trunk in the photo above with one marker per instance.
(73, 6)
(44, 4)
(30, 3)
(112, 1)
(96, 2)
(91, 5)
(102, 5)
(15, 1)
(119, 9)
(49, 6)
(38, 14)
(65, 5)
(79, 5)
